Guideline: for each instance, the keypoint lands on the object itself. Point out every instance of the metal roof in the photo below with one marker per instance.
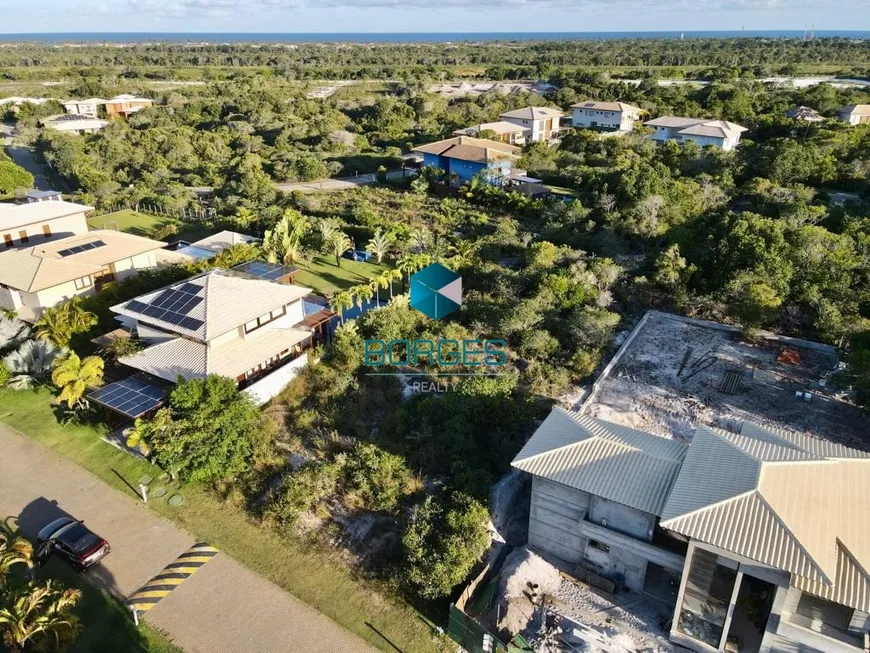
(630, 467)
(787, 500)
(19, 215)
(532, 113)
(605, 106)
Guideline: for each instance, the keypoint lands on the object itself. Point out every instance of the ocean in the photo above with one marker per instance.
(404, 37)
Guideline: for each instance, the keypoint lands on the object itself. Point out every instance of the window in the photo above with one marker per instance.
(22, 236)
(824, 612)
(82, 283)
(253, 325)
(595, 544)
(8, 240)
(46, 231)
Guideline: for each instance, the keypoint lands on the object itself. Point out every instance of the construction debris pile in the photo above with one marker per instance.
(554, 612)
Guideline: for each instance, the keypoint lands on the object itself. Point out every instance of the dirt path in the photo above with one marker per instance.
(222, 607)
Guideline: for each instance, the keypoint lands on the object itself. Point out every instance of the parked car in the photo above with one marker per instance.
(358, 255)
(72, 540)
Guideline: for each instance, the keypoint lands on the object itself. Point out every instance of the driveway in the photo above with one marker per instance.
(24, 157)
(222, 607)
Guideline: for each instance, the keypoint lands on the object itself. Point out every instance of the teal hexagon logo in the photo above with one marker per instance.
(436, 291)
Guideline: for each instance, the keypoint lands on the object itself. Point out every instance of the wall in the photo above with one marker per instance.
(465, 170)
(622, 518)
(703, 141)
(271, 384)
(34, 303)
(10, 299)
(558, 526)
(127, 267)
(70, 225)
(607, 119)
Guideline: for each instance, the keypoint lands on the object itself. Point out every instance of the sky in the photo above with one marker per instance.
(428, 15)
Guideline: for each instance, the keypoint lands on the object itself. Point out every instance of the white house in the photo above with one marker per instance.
(719, 133)
(760, 538)
(538, 123)
(854, 114)
(41, 219)
(78, 124)
(219, 322)
(37, 277)
(605, 116)
(88, 108)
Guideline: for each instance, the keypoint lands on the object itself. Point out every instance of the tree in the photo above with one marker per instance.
(13, 176)
(12, 333)
(340, 302)
(14, 549)
(212, 430)
(362, 294)
(283, 244)
(381, 281)
(443, 540)
(380, 478)
(31, 363)
(74, 375)
(59, 324)
(339, 243)
(36, 616)
(753, 300)
(379, 244)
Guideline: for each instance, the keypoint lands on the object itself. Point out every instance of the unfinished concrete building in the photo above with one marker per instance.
(757, 534)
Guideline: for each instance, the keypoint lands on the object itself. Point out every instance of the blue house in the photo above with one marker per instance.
(463, 157)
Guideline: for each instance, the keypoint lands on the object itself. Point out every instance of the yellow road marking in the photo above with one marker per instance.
(171, 576)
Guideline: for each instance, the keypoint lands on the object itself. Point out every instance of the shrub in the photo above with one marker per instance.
(380, 478)
(300, 490)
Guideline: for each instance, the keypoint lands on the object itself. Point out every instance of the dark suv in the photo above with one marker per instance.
(73, 541)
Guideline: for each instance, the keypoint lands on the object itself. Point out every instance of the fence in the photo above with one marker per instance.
(470, 635)
(195, 214)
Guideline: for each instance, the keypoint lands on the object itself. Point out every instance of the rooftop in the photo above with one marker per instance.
(630, 467)
(532, 113)
(793, 502)
(32, 269)
(698, 126)
(501, 127)
(209, 305)
(674, 373)
(855, 109)
(466, 148)
(19, 215)
(605, 106)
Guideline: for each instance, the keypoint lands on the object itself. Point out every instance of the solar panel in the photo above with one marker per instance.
(173, 306)
(265, 270)
(131, 397)
(78, 249)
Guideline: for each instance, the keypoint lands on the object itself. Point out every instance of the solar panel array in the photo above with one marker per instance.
(84, 247)
(172, 306)
(264, 270)
(131, 397)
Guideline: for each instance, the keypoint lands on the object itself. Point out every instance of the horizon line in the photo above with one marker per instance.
(462, 33)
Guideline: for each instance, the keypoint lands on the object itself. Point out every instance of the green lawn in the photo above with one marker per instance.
(143, 224)
(108, 625)
(325, 277)
(560, 190)
(314, 575)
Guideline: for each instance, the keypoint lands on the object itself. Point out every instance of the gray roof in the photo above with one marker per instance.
(620, 107)
(630, 467)
(532, 113)
(790, 501)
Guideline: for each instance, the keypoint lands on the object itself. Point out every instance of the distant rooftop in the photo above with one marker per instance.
(674, 374)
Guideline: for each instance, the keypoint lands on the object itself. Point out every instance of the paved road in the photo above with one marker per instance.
(319, 185)
(222, 607)
(23, 157)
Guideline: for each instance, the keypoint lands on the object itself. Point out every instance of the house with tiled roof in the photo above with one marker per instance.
(506, 132)
(617, 117)
(854, 114)
(718, 133)
(42, 218)
(36, 277)
(759, 538)
(462, 158)
(538, 123)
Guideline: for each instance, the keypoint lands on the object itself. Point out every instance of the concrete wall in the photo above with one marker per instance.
(33, 304)
(10, 299)
(622, 519)
(129, 266)
(271, 384)
(558, 526)
(603, 119)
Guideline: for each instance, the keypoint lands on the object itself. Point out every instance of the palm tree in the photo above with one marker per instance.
(339, 244)
(284, 243)
(463, 252)
(392, 274)
(363, 294)
(60, 323)
(379, 282)
(340, 302)
(14, 549)
(74, 375)
(379, 244)
(12, 333)
(35, 612)
(31, 363)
